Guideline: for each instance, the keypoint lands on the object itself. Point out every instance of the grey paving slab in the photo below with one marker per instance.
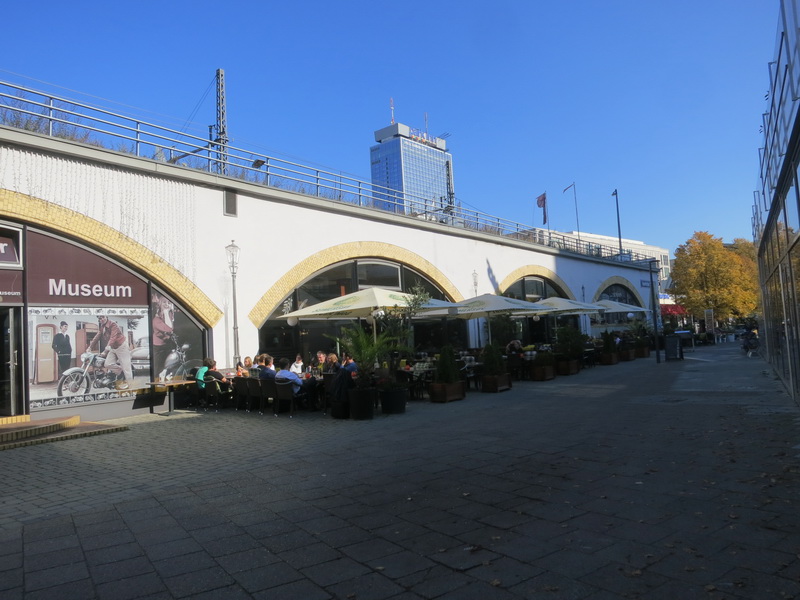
(641, 480)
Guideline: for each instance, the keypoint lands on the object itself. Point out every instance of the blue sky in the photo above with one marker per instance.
(660, 99)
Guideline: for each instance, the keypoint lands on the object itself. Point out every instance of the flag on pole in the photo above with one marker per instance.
(569, 186)
(541, 202)
(614, 193)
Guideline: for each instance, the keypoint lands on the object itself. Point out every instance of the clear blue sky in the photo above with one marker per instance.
(660, 99)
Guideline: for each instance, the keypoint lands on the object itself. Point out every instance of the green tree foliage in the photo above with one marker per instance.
(709, 275)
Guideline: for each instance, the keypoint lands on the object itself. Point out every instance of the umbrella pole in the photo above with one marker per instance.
(489, 327)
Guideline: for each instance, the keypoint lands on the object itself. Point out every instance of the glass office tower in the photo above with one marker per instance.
(412, 173)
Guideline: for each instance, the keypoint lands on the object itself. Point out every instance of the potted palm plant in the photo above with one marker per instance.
(396, 323)
(447, 385)
(495, 376)
(367, 349)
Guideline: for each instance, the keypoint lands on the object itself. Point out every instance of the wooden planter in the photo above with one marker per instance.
(643, 352)
(567, 367)
(496, 383)
(610, 358)
(627, 355)
(543, 373)
(446, 392)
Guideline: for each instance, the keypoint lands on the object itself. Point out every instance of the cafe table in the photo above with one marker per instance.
(170, 387)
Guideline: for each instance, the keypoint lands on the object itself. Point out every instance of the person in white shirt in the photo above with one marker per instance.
(297, 365)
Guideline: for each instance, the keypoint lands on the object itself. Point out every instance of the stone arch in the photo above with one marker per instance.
(35, 211)
(534, 271)
(616, 279)
(342, 252)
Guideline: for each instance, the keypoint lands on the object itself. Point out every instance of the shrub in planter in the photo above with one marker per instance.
(642, 346)
(543, 366)
(609, 355)
(495, 378)
(569, 350)
(447, 385)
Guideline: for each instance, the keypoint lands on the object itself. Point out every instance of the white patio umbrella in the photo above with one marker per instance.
(359, 304)
(566, 306)
(620, 307)
(488, 305)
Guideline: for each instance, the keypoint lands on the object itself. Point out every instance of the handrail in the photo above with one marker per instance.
(43, 113)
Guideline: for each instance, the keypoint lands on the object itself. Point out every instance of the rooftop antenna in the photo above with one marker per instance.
(391, 106)
(426, 124)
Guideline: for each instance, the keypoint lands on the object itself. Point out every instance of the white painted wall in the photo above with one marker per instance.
(178, 213)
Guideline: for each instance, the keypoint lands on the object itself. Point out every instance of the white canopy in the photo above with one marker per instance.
(566, 306)
(620, 307)
(488, 305)
(359, 304)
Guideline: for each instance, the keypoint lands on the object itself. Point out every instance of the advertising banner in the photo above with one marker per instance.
(86, 354)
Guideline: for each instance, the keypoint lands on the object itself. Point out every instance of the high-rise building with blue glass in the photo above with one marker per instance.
(412, 172)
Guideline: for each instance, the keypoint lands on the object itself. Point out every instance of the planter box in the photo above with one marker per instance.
(609, 358)
(567, 367)
(543, 373)
(393, 402)
(362, 403)
(496, 383)
(446, 392)
(643, 352)
(627, 355)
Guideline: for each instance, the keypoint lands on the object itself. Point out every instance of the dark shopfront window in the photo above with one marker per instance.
(531, 289)
(280, 340)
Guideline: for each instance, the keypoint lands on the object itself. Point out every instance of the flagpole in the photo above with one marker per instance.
(619, 229)
(575, 198)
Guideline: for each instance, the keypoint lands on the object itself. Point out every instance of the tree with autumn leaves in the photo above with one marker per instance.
(707, 274)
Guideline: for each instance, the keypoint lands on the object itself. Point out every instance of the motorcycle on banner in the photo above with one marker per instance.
(176, 364)
(91, 375)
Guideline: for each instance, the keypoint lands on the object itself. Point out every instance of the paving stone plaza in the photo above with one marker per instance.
(640, 480)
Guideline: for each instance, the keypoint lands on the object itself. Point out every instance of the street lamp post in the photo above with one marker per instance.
(656, 309)
(232, 251)
(619, 229)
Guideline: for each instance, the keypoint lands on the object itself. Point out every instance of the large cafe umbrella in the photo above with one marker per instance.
(619, 307)
(360, 304)
(488, 305)
(567, 306)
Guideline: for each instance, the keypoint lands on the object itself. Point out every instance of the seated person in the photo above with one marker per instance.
(265, 368)
(331, 363)
(299, 386)
(319, 362)
(209, 369)
(297, 365)
(349, 364)
(514, 347)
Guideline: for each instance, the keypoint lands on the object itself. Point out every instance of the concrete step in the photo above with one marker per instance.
(21, 431)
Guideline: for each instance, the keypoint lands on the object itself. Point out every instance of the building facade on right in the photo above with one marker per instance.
(776, 217)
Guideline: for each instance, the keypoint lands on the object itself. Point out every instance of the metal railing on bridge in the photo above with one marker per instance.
(35, 111)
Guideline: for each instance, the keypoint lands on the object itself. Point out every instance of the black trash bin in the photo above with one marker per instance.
(673, 349)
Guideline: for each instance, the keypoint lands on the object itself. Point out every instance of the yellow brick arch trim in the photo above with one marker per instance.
(616, 279)
(535, 271)
(307, 267)
(35, 211)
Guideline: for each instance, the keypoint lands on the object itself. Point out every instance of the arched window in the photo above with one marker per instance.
(617, 293)
(277, 338)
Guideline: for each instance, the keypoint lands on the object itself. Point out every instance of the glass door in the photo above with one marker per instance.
(9, 363)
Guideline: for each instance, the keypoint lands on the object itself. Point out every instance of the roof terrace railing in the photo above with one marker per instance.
(50, 115)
